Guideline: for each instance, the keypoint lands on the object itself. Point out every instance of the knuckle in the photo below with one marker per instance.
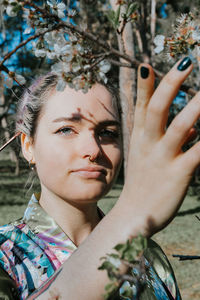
(179, 125)
(155, 109)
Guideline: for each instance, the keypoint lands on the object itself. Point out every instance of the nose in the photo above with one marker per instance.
(90, 147)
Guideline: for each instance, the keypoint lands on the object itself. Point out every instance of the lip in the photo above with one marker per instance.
(91, 172)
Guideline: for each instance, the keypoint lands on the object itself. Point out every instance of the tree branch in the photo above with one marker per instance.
(119, 64)
(186, 257)
(22, 44)
(90, 36)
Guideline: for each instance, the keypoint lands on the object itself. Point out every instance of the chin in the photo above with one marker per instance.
(87, 193)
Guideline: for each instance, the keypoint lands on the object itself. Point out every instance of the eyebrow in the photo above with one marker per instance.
(65, 119)
(78, 119)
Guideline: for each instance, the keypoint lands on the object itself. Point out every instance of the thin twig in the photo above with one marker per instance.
(186, 257)
(22, 44)
(92, 37)
(197, 217)
(119, 64)
(10, 140)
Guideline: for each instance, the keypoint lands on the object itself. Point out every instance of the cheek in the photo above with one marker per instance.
(51, 159)
(115, 156)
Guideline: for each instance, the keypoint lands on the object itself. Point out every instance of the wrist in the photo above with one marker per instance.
(133, 220)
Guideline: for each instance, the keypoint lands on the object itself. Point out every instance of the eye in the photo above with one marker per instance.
(109, 133)
(66, 130)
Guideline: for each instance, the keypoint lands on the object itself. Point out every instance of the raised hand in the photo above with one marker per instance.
(158, 171)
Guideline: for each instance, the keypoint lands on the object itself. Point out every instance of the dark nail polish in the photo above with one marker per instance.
(144, 72)
(184, 64)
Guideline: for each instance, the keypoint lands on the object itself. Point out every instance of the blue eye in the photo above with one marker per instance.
(65, 131)
(108, 133)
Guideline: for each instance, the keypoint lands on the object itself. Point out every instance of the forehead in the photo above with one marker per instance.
(95, 105)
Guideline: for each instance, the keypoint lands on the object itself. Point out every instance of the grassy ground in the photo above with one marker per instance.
(180, 237)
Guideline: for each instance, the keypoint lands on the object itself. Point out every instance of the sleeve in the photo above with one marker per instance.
(159, 278)
(162, 269)
(8, 289)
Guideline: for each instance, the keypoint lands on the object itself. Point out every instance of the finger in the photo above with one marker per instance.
(177, 133)
(191, 136)
(158, 108)
(145, 89)
(191, 159)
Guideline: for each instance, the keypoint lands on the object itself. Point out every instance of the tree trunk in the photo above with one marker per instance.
(127, 85)
(153, 24)
(4, 125)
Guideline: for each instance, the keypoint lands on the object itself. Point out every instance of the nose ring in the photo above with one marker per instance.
(91, 158)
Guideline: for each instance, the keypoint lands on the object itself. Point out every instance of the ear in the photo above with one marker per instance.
(27, 148)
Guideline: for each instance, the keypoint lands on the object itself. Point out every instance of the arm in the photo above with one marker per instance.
(157, 178)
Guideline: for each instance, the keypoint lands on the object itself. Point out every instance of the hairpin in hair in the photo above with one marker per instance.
(10, 140)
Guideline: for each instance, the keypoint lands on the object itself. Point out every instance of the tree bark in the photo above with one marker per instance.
(4, 125)
(153, 24)
(127, 86)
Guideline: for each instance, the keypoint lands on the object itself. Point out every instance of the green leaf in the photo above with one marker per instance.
(114, 255)
(113, 17)
(110, 288)
(120, 248)
(117, 15)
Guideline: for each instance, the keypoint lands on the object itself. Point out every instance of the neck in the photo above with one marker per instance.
(76, 220)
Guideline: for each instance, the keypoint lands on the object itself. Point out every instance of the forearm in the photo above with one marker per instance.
(80, 277)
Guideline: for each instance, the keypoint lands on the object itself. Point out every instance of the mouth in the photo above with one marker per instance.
(92, 172)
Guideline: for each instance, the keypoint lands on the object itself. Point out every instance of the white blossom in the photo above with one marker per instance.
(180, 19)
(57, 8)
(86, 67)
(66, 49)
(73, 38)
(104, 66)
(10, 12)
(27, 30)
(51, 54)
(79, 83)
(40, 52)
(20, 79)
(60, 68)
(103, 77)
(68, 58)
(61, 84)
(159, 41)
(48, 37)
(61, 9)
(52, 3)
(196, 35)
(76, 67)
(55, 39)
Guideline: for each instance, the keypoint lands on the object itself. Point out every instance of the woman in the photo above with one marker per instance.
(74, 142)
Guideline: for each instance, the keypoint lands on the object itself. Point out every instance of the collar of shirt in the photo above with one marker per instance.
(45, 227)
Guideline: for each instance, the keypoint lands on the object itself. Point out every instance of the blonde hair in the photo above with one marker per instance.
(31, 103)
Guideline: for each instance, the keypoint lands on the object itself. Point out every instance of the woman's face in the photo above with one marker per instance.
(77, 145)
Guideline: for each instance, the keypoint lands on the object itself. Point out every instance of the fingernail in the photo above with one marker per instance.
(144, 72)
(184, 64)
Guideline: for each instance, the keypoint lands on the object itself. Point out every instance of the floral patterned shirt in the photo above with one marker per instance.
(33, 248)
